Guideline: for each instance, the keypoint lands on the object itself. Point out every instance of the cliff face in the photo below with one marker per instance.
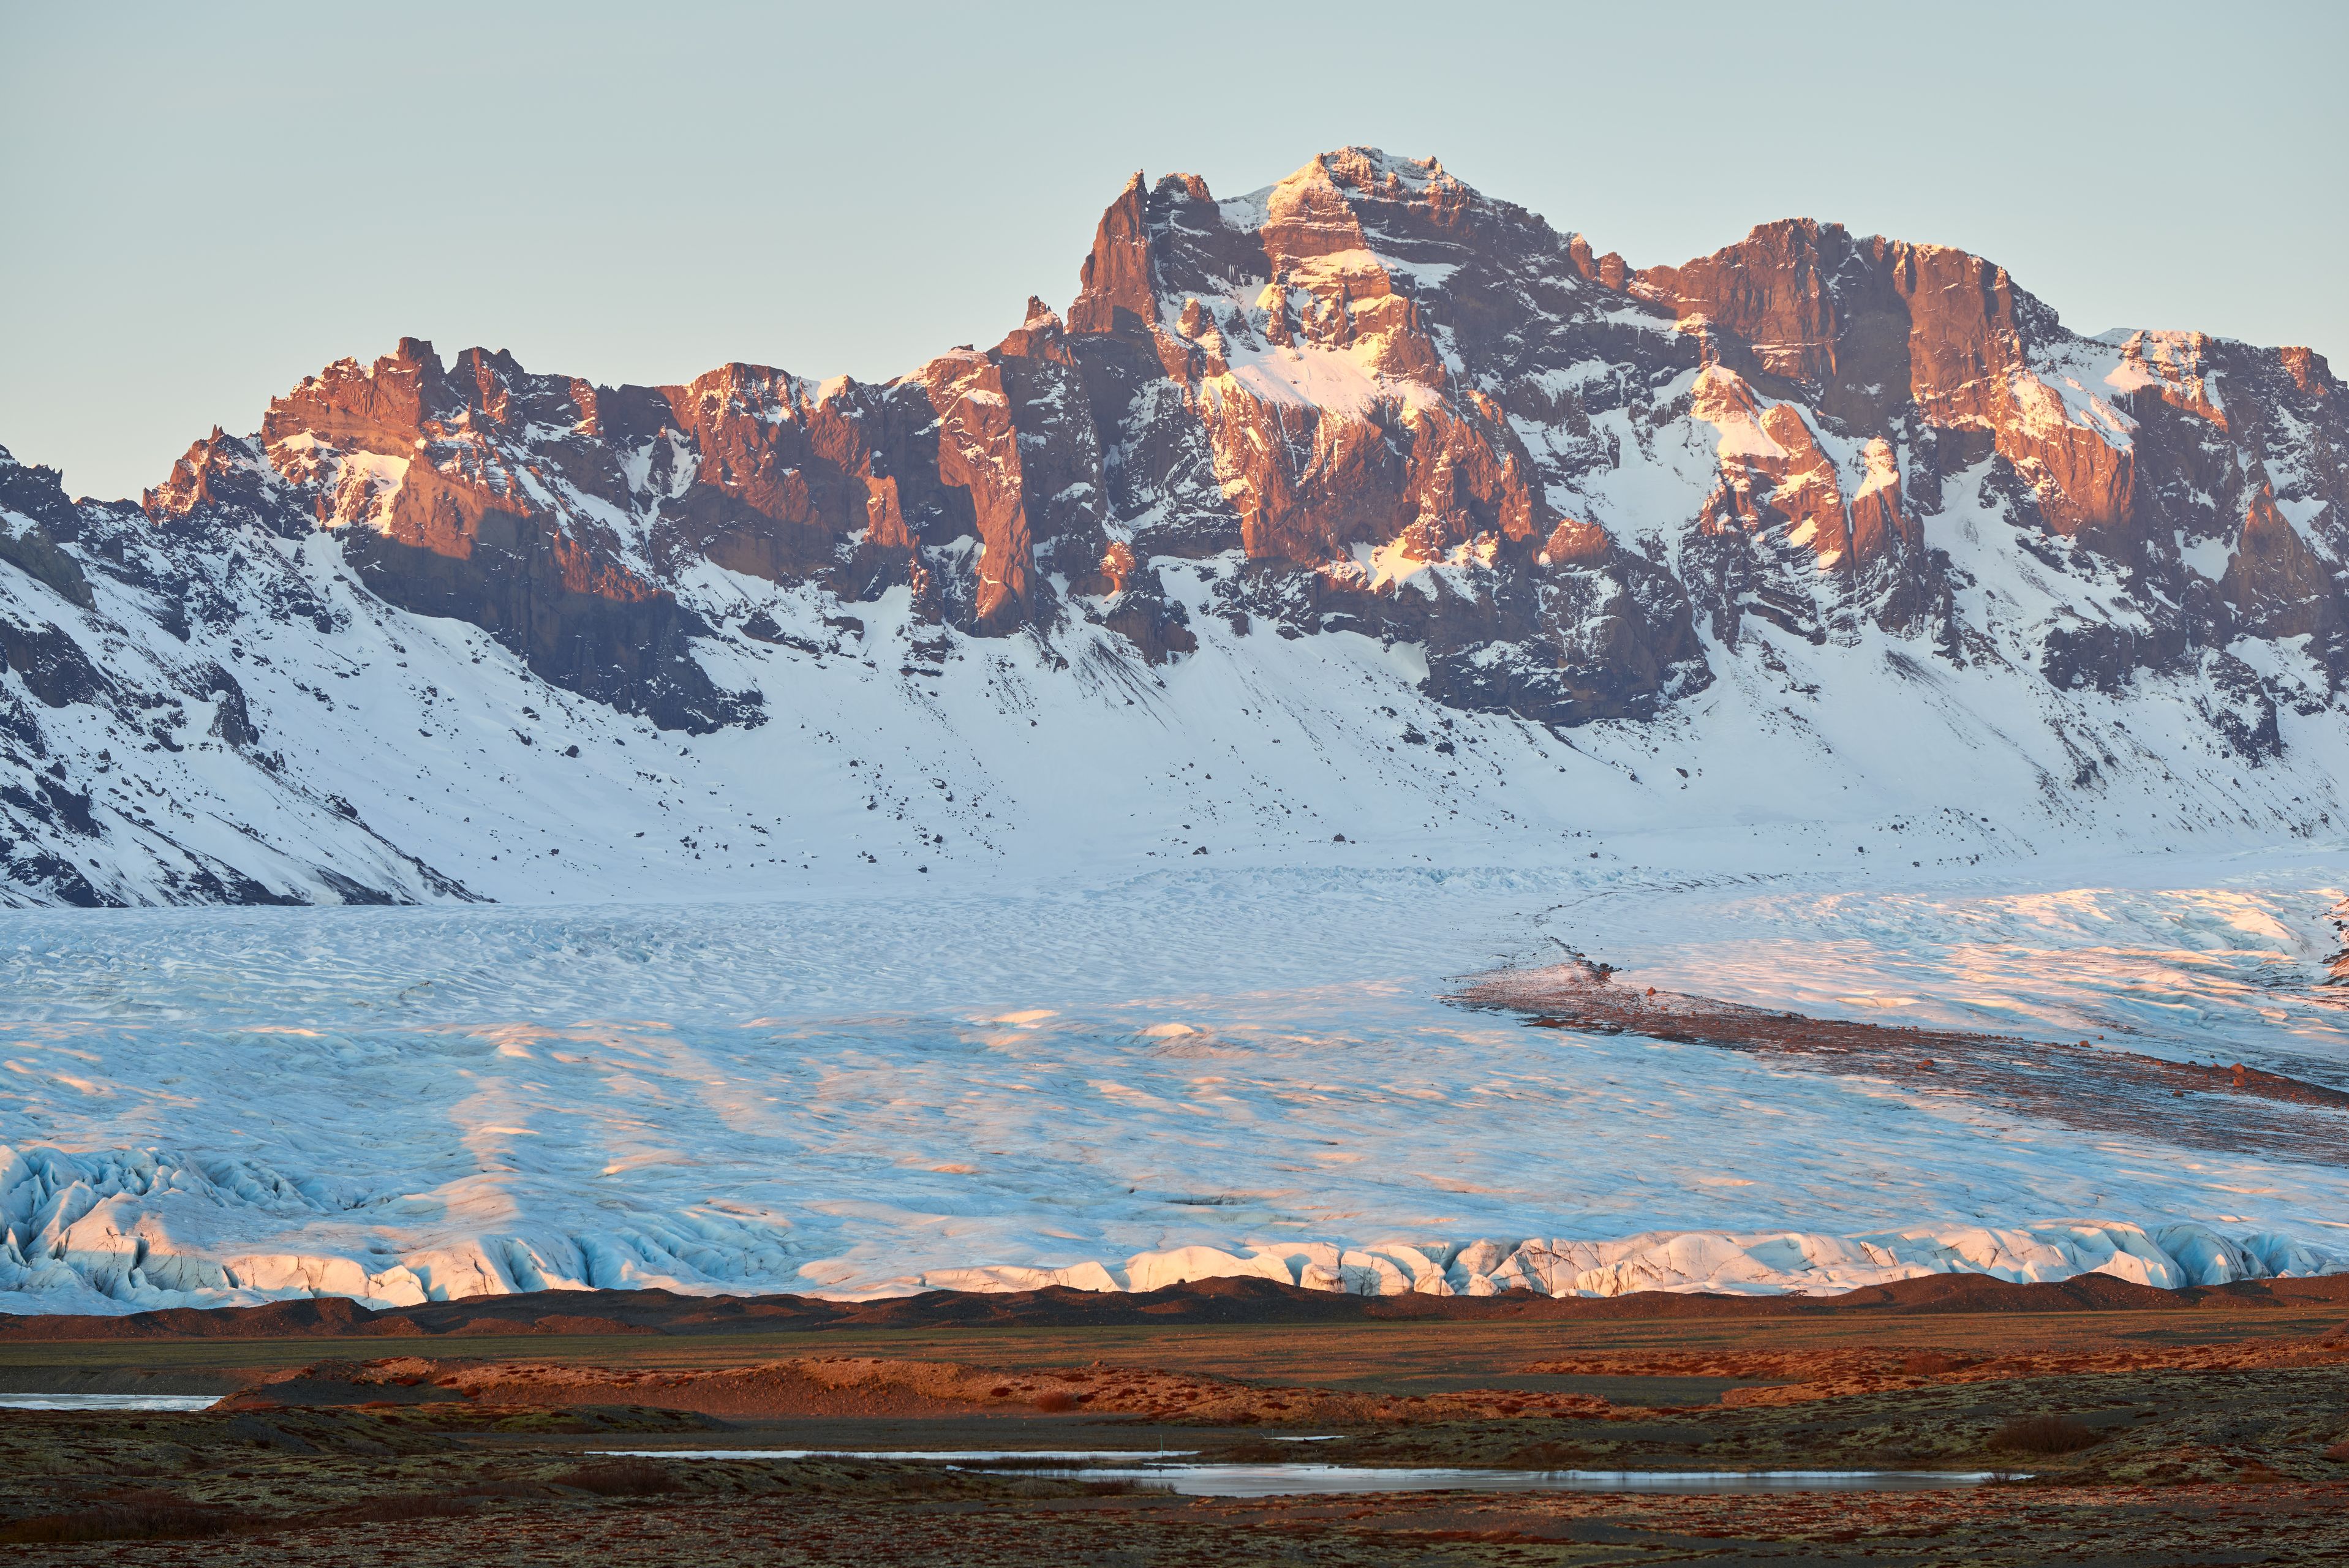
(1366, 401)
(1378, 387)
(2119, 457)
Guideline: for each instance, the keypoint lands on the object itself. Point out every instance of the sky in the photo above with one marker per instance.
(207, 203)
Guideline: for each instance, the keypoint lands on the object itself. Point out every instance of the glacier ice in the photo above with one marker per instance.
(1116, 1087)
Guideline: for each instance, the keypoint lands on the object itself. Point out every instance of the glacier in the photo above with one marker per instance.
(1175, 1073)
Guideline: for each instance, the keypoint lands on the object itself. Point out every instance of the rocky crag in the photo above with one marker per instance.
(1584, 500)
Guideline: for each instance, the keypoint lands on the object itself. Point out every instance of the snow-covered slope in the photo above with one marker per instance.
(1364, 505)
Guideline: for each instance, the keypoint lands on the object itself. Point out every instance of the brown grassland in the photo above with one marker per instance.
(2155, 1428)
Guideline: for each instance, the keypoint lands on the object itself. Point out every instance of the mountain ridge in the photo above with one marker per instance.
(1549, 493)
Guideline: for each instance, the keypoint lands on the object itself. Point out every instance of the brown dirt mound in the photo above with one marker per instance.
(618, 1478)
(1798, 1376)
(873, 1388)
(2044, 1434)
(154, 1517)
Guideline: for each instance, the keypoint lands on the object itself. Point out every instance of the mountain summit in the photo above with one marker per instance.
(1476, 522)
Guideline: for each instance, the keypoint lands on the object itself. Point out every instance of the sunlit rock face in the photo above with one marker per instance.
(1318, 376)
(1448, 413)
(1375, 401)
(2115, 456)
(1378, 386)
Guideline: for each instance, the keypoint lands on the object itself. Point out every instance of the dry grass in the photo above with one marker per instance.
(2044, 1435)
(400, 1507)
(868, 1386)
(1548, 1456)
(148, 1518)
(619, 1478)
(504, 1489)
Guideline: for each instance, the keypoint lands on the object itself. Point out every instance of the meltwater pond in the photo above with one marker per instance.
(109, 1401)
(1024, 1458)
(1300, 1480)
(1294, 1479)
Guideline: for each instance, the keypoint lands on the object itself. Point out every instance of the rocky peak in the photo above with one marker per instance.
(1367, 356)
(35, 492)
(1292, 333)
(1312, 213)
(1117, 274)
(1881, 334)
(1039, 333)
(34, 515)
(1365, 401)
(224, 476)
(371, 406)
(2309, 371)
(1772, 294)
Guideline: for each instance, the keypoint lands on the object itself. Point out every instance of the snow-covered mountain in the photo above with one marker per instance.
(1355, 518)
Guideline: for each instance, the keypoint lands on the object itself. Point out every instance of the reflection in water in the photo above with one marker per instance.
(1026, 1457)
(1292, 1480)
(109, 1401)
(1288, 1480)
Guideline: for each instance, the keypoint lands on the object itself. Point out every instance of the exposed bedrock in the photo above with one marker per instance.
(1367, 399)
(1406, 403)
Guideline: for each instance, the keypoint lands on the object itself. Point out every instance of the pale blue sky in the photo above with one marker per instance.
(206, 203)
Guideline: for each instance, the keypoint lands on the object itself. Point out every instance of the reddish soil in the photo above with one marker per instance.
(1798, 1376)
(874, 1387)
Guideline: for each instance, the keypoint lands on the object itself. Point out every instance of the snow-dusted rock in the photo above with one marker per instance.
(1367, 456)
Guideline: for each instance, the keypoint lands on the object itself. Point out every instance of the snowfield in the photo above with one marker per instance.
(1163, 1076)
